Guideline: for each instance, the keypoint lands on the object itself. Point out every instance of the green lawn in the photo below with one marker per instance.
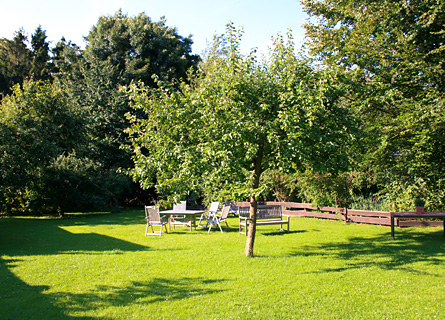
(102, 266)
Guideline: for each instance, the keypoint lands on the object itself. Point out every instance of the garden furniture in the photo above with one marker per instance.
(179, 220)
(212, 210)
(266, 214)
(216, 219)
(154, 219)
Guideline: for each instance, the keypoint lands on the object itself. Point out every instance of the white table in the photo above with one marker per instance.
(191, 213)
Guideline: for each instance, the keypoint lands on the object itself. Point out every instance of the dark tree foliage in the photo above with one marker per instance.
(14, 62)
(43, 164)
(120, 50)
(61, 138)
(40, 65)
(59, 61)
(19, 62)
(139, 48)
(37, 126)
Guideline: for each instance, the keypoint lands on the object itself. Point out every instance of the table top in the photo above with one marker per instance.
(184, 212)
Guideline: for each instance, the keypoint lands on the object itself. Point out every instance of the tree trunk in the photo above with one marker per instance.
(248, 252)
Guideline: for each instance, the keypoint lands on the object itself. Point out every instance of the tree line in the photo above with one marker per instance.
(63, 115)
(360, 112)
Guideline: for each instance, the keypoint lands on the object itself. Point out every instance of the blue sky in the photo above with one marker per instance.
(261, 19)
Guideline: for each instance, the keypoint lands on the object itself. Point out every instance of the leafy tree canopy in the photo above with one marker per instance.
(140, 48)
(37, 125)
(391, 55)
(40, 67)
(14, 62)
(238, 117)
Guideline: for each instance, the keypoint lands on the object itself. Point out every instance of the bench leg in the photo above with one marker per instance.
(241, 227)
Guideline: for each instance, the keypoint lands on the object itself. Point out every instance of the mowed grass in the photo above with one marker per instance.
(102, 266)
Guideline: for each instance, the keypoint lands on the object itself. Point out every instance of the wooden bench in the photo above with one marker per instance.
(266, 214)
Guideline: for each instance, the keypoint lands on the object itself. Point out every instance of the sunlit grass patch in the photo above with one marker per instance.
(103, 266)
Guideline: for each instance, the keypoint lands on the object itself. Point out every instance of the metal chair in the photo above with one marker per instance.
(215, 219)
(153, 219)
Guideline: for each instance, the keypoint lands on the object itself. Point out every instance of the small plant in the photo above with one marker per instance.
(418, 202)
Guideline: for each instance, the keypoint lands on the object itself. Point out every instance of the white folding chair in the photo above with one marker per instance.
(212, 210)
(215, 219)
(179, 220)
(233, 207)
(153, 219)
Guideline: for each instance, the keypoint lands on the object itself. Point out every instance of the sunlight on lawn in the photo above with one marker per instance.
(96, 267)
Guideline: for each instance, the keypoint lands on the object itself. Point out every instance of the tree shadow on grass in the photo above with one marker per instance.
(45, 237)
(32, 237)
(142, 293)
(126, 217)
(19, 300)
(381, 251)
(284, 233)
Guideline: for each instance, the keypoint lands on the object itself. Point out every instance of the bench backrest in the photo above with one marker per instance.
(244, 212)
(263, 212)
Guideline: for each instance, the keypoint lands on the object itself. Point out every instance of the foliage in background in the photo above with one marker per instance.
(139, 48)
(279, 186)
(120, 49)
(38, 124)
(368, 202)
(14, 62)
(40, 56)
(44, 166)
(239, 117)
(77, 183)
(390, 55)
(49, 174)
(325, 189)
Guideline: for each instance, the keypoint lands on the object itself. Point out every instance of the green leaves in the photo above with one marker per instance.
(238, 117)
(389, 55)
(38, 125)
(140, 48)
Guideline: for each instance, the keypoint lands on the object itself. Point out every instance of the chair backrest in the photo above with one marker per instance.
(180, 206)
(152, 214)
(225, 212)
(147, 215)
(233, 206)
(214, 207)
